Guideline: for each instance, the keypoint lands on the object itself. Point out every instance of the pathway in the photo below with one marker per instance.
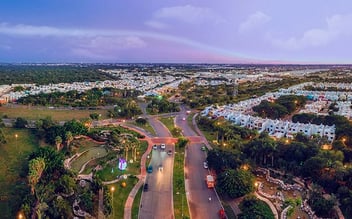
(272, 207)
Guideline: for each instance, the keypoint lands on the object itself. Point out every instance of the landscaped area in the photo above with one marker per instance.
(120, 194)
(91, 153)
(111, 171)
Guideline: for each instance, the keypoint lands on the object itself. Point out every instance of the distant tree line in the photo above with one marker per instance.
(24, 74)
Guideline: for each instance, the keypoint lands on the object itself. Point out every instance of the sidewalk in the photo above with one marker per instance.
(132, 195)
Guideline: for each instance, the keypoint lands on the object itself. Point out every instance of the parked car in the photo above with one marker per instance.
(145, 188)
(169, 152)
(150, 169)
(203, 148)
(163, 146)
(155, 147)
(161, 168)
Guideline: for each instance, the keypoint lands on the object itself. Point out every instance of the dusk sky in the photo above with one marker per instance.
(206, 31)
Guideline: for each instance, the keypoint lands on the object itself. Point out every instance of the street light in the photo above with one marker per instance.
(112, 189)
(20, 216)
(16, 136)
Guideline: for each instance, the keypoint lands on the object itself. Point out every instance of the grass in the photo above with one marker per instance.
(13, 159)
(92, 153)
(106, 174)
(35, 113)
(146, 127)
(179, 193)
(136, 202)
(120, 196)
(168, 122)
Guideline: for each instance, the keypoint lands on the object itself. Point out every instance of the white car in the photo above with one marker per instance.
(155, 147)
(163, 146)
(161, 168)
(205, 165)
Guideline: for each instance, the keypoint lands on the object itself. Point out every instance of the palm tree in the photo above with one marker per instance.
(69, 138)
(36, 168)
(58, 141)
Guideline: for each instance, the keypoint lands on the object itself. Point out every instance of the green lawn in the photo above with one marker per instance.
(89, 154)
(120, 196)
(13, 159)
(136, 202)
(111, 171)
(180, 200)
(168, 122)
(33, 113)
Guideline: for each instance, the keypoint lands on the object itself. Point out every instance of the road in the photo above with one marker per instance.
(196, 189)
(157, 202)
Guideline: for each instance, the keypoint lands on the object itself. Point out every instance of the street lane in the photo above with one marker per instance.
(196, 187)
(195, 173)
(156, 202)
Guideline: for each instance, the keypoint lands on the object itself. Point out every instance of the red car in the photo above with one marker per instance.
(222, 214)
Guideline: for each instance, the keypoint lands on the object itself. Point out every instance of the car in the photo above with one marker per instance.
(203, 148)
(145, 188)
(163, 146)
(183, 118)
(150, 169)
(155, 147)
(161, 168)
(205, 165)
(169, 152)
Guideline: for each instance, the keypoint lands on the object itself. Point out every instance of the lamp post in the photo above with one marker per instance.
(112, 189)
(16, 136)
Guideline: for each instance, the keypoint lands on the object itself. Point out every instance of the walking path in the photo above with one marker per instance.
(141, 177)
(272, 207)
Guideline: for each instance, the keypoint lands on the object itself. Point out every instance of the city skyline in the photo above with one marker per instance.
(176, 31)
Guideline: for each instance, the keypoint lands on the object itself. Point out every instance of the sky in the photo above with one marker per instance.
(177, 31)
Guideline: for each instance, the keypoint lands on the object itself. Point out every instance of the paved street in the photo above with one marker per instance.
(196, 188)
(157, 202)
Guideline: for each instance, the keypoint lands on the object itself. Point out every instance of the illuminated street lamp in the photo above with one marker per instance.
(16, 136)
(20, 216)
(112, 189)
(256, 184)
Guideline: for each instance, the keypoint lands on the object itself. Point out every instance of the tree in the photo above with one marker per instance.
(69, 139)
(36, 169)
(141, 121)
(58, 141)
(181, 142)
(2, 137)
(235, 183)
(20, 123)
(320, 205)
(220, 160)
